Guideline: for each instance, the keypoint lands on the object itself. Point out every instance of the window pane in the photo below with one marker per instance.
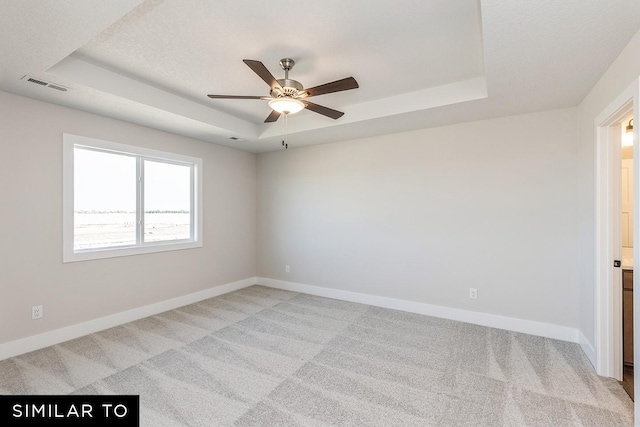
(167, 201)
(104, 199)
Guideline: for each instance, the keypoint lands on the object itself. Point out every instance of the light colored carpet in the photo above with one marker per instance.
(263, 357)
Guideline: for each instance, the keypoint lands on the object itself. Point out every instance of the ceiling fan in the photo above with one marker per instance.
(289, 96)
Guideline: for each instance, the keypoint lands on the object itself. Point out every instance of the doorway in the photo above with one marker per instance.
(610, 328)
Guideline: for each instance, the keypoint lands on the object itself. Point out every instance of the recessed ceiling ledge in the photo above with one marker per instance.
(453, 93)
(92, 75)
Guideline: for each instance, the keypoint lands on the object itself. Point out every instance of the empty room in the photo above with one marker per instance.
(295, 213)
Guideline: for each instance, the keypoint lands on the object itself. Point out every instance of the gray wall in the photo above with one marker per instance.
(504, 205)
(31, 268)
(425, 215)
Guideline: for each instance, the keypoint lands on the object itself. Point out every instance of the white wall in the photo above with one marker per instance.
(618, 77)
(425, 215)
(31, 268)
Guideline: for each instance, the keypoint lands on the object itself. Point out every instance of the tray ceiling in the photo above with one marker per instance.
(420, 65)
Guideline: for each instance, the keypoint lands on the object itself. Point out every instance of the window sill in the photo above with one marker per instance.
(91, 254)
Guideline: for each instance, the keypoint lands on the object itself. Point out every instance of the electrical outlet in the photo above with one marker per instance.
(473, 293)
(287, 269)
(36, 312)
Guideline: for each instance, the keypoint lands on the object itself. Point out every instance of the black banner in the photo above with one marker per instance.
(39, 410)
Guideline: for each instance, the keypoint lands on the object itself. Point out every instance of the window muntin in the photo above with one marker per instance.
(125, 200)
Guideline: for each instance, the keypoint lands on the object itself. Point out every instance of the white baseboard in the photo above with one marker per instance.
(35, 342)
(45, 339)
(588, 348)
(531, 327)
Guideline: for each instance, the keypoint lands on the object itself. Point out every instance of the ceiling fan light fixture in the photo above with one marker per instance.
(286, 105)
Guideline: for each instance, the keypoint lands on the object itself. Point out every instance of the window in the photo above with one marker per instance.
(124, 200)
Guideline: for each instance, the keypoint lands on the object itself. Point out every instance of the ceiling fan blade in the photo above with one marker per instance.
(274, 116)
(237, 97)
(337, 86)
(325, 111)
(259, 68)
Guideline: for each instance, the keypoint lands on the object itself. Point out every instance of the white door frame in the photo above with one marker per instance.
(608, 298)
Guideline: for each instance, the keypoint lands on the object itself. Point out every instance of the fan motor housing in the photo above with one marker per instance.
(290, 88)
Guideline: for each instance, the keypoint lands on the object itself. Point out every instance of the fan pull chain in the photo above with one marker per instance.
(284, 138)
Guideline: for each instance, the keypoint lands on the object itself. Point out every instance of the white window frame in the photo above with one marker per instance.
(69, 254)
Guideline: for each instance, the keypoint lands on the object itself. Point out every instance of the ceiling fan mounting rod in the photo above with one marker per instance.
(287, 64)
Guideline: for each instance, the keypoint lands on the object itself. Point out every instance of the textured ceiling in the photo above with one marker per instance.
(420, 65)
